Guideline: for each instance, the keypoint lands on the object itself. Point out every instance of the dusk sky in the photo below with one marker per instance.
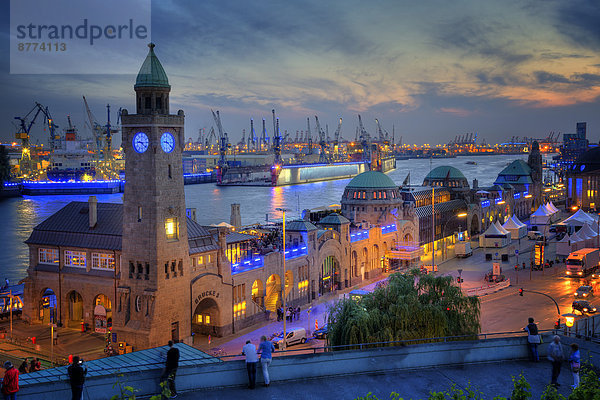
(433, 69)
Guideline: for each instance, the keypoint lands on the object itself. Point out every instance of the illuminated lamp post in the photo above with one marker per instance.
(283, 210)
(460, 215)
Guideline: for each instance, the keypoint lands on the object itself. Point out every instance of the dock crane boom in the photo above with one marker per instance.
(223, 141)
(323, 157)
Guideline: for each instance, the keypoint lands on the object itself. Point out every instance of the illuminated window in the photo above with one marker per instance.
(75, 259)
(172, 229)
(103, 261)
(207, 319)
(239, 310)
(48, 256)
(198, 319)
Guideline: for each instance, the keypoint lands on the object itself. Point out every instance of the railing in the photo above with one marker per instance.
(396, 343)
(247, 265)
(296, 252)
(391, 228)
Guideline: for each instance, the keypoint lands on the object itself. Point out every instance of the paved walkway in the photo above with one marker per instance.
(492, 380)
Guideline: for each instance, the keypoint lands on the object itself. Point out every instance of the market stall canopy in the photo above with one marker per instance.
(579, 219)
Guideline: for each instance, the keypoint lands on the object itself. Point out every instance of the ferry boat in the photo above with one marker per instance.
(71, 160)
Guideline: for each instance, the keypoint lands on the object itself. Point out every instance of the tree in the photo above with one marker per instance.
(4, 166)
(410, 306)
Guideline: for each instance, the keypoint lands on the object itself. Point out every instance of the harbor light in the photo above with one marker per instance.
(569, 319)
(461, 215)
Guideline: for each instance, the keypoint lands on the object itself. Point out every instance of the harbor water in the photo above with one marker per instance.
(19, 216)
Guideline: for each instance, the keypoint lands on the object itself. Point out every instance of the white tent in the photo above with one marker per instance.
(541, 216)
(563, 246)
(516, 228)
(590, 234)
(576, 242)
(579, 219)
(494, 237)
(501, 229)
(552, 207)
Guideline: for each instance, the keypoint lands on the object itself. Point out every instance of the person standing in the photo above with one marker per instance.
(266, 349)
(171, 368)
(575, 362)
(249, 350)
(10, 383)
(35, 365)
(77, 372)
(533, 338)
(556, 357)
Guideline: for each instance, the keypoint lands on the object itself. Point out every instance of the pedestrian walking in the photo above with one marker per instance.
(266, 349)
(23, 367)
(10, 382)
(575, 363)
(35, 365)
(249, 350)
(170, 370)
(279, 314)
(533, 339)
(288, 314)
(77, 372)
(556, 357)
(298, 313)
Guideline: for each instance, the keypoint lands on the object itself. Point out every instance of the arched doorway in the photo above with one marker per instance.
(375, 261)
(75, 308)
(363, 265)
(474, 226)
(273, 292)
(354, 264)
(289, 284)
(206, 317)
(48, 306)
(258, 293)
(102, 313)
(330, 275)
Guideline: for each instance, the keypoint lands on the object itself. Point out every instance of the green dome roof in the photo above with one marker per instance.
(334, 219)
(372, 180)
(152, 73)
(445, 172)
(517, 167)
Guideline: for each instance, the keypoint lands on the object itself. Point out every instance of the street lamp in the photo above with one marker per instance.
(283, 210)
(459, 215)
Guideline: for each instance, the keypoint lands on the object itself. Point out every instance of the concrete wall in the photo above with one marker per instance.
(233, 373)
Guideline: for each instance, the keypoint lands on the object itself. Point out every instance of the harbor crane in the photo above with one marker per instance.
(276, 139)
(264, 140)
(25, 125)
(309, 136)
(364, 140)
(223, 142)
(336, 139)
(102, 133)
(323, 157)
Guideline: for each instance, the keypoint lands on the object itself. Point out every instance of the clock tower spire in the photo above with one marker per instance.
(153, 294)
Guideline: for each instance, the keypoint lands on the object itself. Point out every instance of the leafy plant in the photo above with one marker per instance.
(551, 394)
(589, 385)
(125, 392)
(521, 388)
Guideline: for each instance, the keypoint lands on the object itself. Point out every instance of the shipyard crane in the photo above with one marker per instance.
(338, 133)
(95, 127)
(364, 140)
(223, 142)
(264, 140)
(210, 138)
(252, 134)
(309, 135)
(25, 125)
(323, 157)
(102, 133)
(276, 139)
(242, 141)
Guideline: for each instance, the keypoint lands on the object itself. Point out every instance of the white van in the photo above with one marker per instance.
(293, 336)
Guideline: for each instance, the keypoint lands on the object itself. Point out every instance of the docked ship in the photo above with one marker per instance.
(70, 160)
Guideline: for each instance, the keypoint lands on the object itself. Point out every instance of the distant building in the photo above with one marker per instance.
(574, 145)
(583, 181)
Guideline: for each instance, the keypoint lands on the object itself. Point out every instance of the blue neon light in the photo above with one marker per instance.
(485, 203)
(497, 200)
(517, 196)
(295, 253)
(247, 265)
(359, 235)
(388, 229)
(526, 193)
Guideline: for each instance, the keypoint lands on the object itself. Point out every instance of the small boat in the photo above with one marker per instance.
(471, 163)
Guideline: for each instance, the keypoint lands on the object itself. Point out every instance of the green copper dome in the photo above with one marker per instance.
(372, 180)
(152, 73)
(445, 172)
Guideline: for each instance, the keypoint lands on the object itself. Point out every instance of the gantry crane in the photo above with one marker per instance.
(223, 142)
(323, 157)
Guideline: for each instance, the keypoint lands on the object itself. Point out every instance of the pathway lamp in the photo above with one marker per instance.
(569, 319)
(283, 210)
(459, 215)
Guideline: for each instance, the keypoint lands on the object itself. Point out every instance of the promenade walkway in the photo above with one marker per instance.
(492, 379)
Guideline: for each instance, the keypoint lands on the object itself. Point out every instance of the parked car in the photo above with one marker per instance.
(534, 235)
(584, 307)
(294, 336)
(322, 332)
(584, 291)
(552, 229)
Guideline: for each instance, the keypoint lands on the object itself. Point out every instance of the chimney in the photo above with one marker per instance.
(93, 211)
(235, 219)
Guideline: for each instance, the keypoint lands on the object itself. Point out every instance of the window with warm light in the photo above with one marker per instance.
(172, 229)
(75, 259)
(48, 256)
(239, 310)
(103, 261)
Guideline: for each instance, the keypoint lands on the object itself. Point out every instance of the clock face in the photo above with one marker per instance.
(140, 142)
(167, 141)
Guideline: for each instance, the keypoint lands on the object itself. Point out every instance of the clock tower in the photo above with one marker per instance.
(153, 292)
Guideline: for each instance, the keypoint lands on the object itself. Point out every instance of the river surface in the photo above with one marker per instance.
(18, 216)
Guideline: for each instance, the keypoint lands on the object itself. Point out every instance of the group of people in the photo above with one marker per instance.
(556, 354)
(32, 366)
(291, 314)
(266, 350)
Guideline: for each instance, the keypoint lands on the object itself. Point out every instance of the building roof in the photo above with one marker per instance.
(517, 172)
(152, 74)
(334, 219)
(444, 172)
(236, 237)
(371, 180)
(142, 360)
(587, 162)
(300, 226)
(446, 206)
(69, 227)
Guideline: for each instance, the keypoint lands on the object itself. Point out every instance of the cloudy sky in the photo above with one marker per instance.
(431, 69)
